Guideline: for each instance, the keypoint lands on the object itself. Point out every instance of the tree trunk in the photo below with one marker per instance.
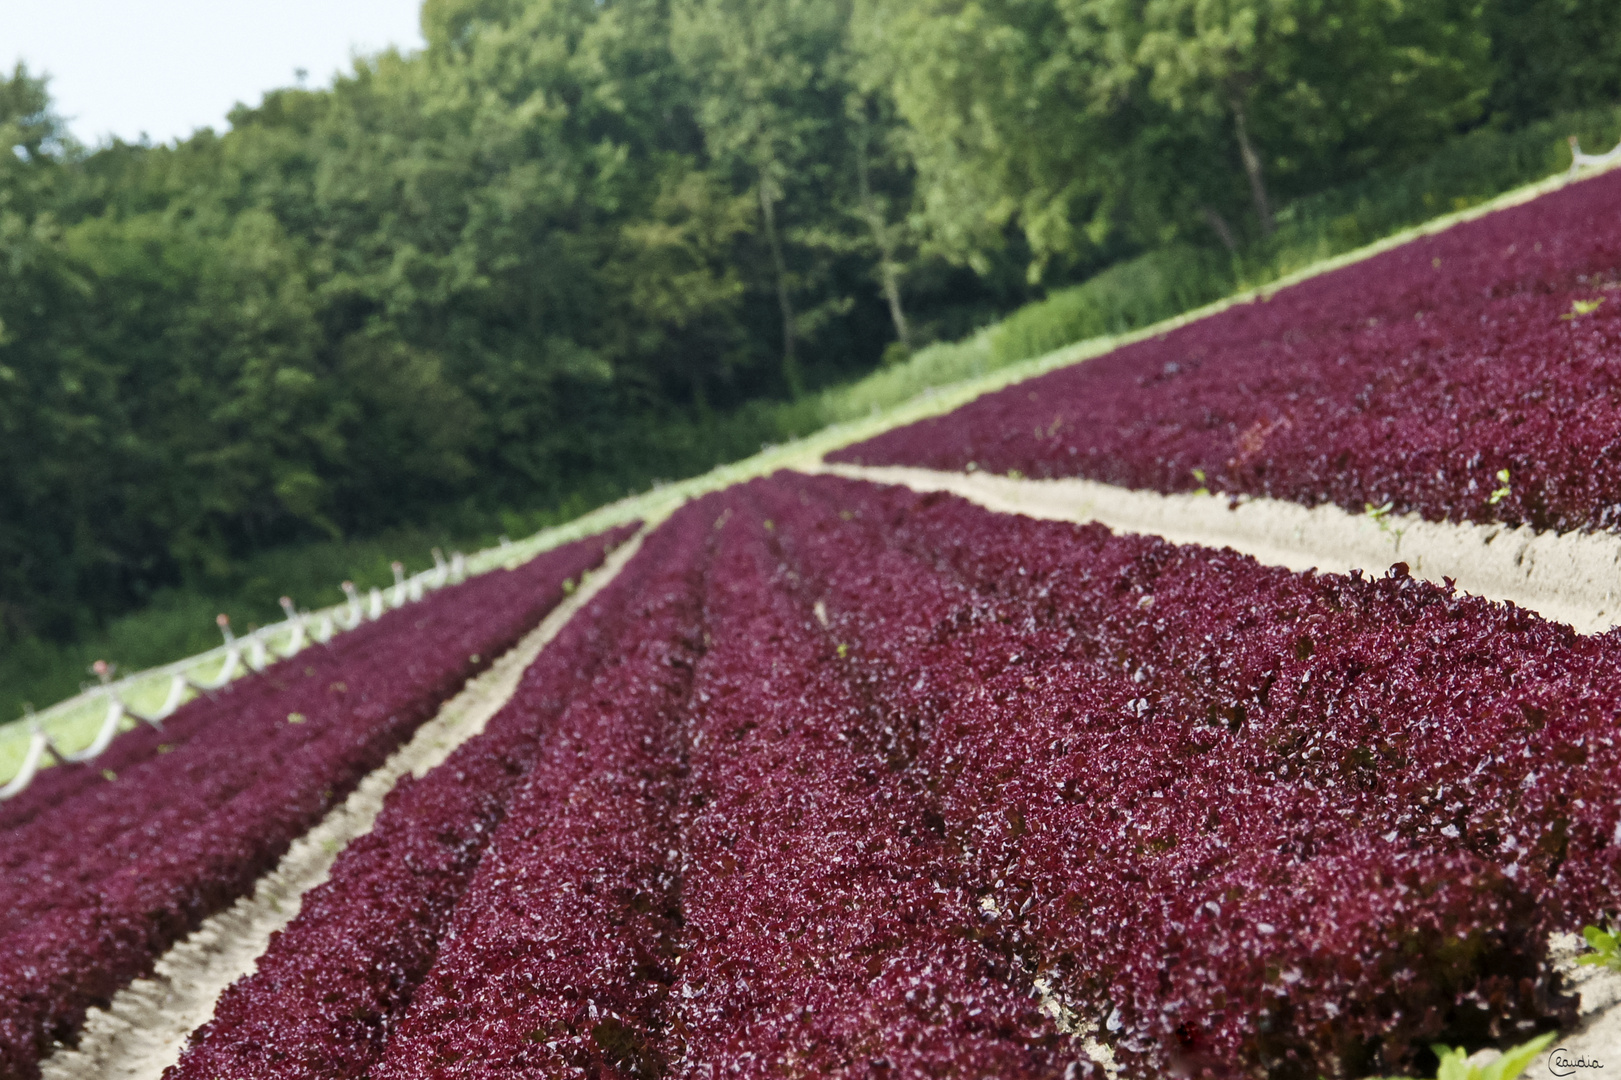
(1252, 167)
(888, 271)
(790, 361)
(1223, 231)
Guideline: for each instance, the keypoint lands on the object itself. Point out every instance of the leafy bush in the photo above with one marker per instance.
(1127, 296)
(1465, 172)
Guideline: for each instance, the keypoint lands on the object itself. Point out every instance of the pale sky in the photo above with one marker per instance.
(168, 67)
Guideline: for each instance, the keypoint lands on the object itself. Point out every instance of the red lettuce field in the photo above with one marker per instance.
(1413, 378)
(836, 779)
(105, 866)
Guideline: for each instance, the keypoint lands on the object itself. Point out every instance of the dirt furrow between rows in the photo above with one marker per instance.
(145, 1027)
(1573, 578)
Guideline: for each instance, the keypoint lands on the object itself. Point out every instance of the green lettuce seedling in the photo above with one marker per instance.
(1455, 1063)
(1380, 516)
(1502, 492)
(1578, 308)
(1606, 946)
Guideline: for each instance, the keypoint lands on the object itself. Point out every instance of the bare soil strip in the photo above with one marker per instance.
(1574, 578)
(144, 1029)
(1596, 1038)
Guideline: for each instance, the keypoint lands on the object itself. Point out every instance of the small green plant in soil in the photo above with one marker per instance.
(1456, 1065)
(1606, 946)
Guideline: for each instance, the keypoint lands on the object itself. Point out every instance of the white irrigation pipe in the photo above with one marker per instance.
(1579, 160)
(255, 652)
(38, 743)
(104, 737)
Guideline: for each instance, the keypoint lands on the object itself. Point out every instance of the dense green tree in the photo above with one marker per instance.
(1315, 86)
(1095, 123)
(54, 406)
(1030, 119)
(1001, 118)
(1551, 56)
(770, 102)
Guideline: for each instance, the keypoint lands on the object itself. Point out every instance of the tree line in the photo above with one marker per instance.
(559, 252)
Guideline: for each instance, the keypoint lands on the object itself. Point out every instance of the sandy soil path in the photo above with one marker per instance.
(1574, 578)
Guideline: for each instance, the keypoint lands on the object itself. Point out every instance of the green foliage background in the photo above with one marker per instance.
(575, 247)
